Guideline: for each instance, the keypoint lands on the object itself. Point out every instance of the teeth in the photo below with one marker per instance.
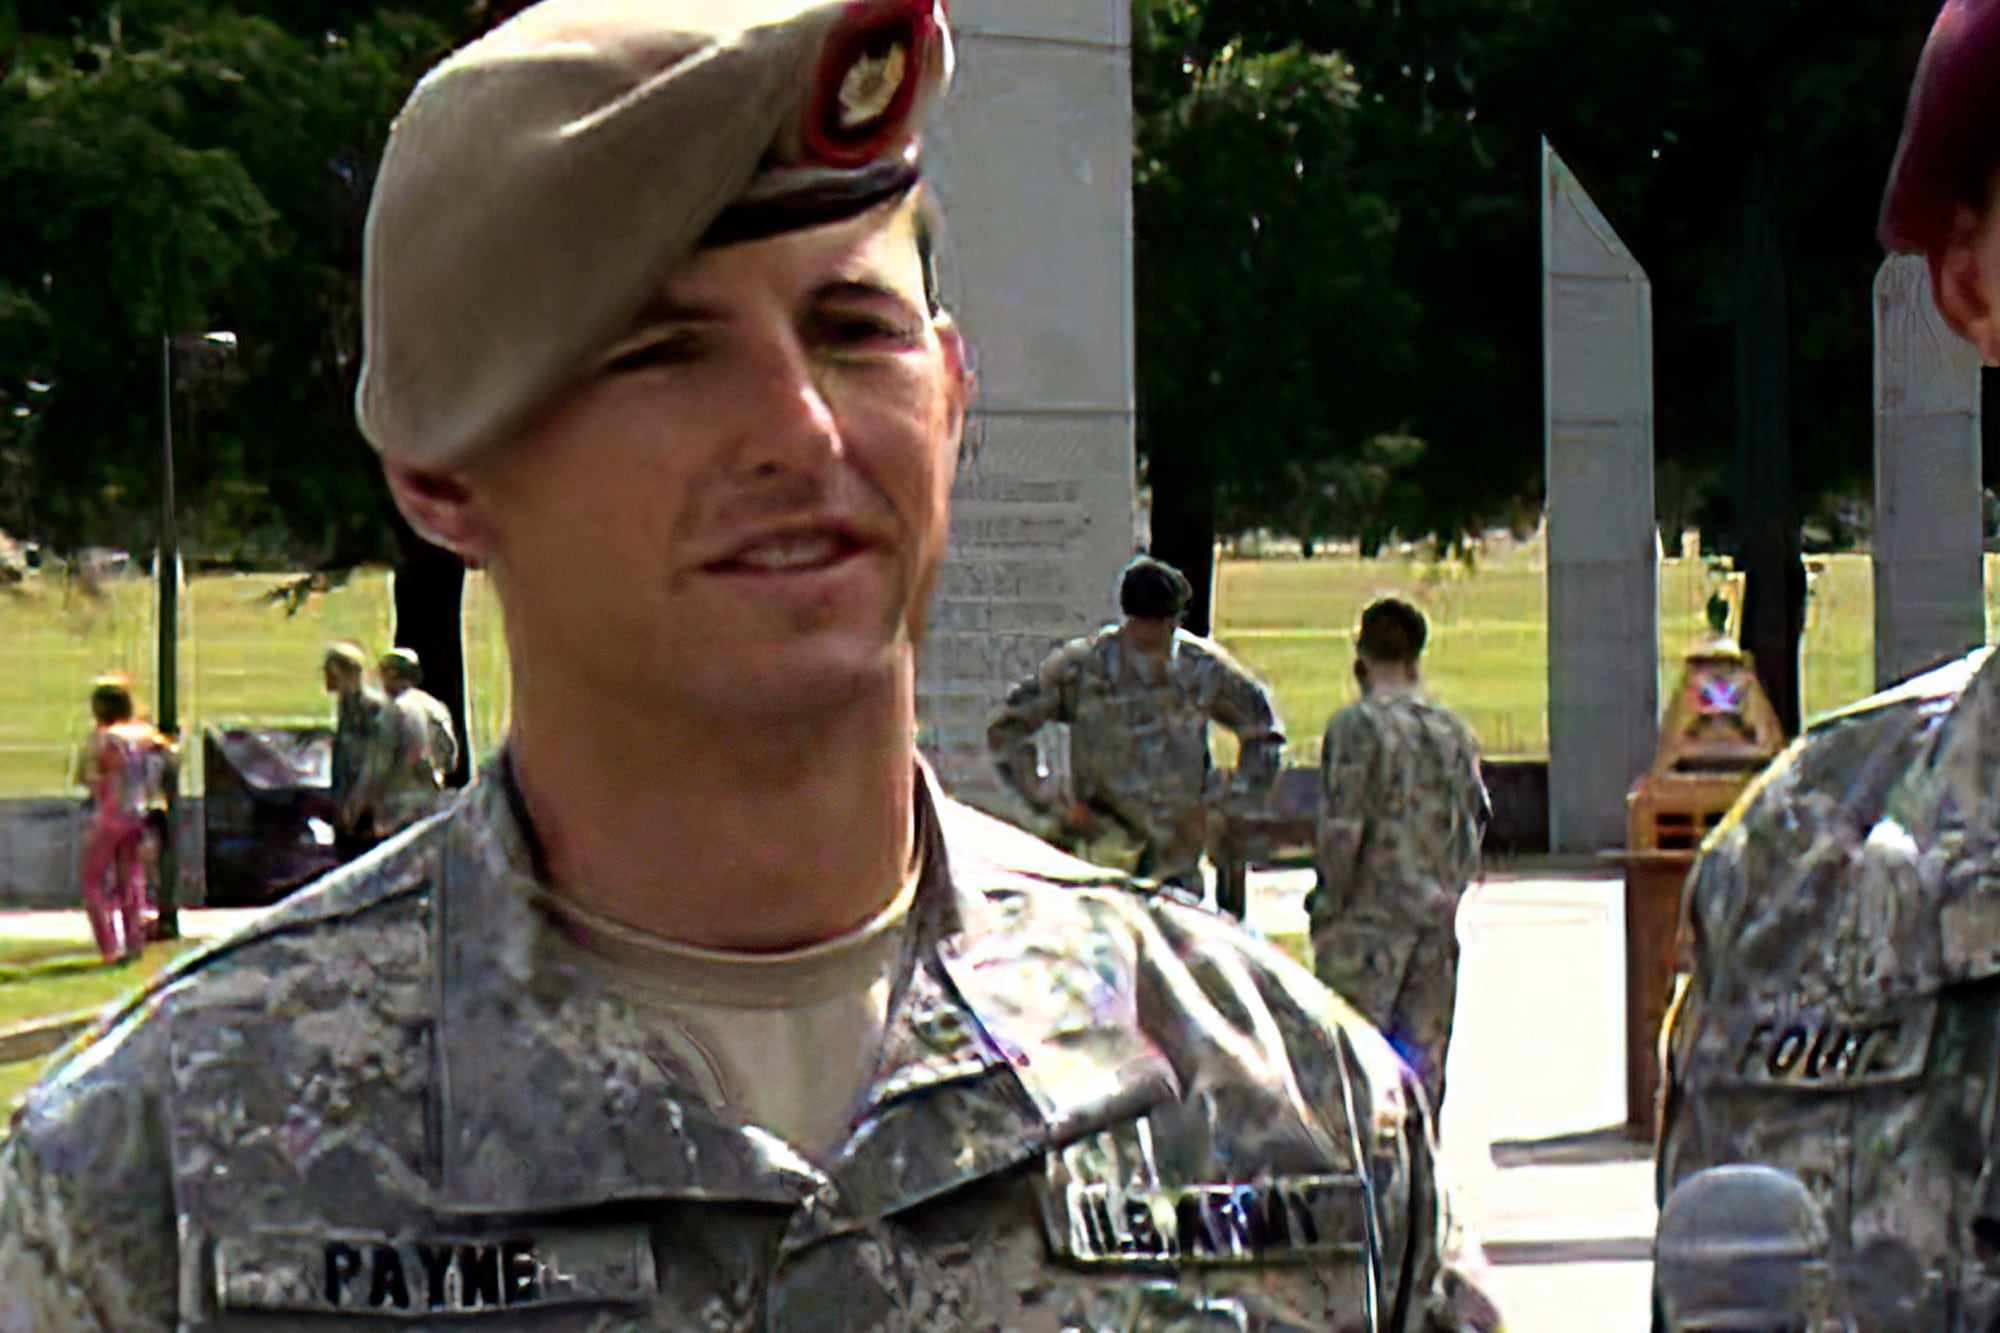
(791, 553)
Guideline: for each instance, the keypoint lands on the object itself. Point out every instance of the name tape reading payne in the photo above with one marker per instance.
(422, 1276)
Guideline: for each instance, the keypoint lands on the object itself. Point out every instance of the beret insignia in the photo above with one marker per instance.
(874, 66)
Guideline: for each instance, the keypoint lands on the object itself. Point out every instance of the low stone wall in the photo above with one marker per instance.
(40, 839)
(1519, 790)
(40, 845)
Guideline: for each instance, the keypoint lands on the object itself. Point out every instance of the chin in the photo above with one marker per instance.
(790, 680)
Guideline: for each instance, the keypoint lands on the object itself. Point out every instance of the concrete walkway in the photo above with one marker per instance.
(200, 923)
(1536, 1079)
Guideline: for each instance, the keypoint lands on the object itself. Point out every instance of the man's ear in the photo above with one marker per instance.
(1965, 275)
(444, 511)
(960, 375)
(957, 359)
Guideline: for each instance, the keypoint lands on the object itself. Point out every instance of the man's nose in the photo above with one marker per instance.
(790, 426)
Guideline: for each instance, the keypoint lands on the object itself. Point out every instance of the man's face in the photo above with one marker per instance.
(743, 506)
(339, 678)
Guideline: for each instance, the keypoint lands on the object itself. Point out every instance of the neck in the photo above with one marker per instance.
(751, 834)
(1391, 679)
(1152, 639)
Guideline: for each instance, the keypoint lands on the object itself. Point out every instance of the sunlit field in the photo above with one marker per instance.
(1292, 621)
(242, 659)
(245, 659)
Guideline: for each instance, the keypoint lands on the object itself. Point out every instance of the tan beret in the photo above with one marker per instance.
(541, 182)
(402, 663)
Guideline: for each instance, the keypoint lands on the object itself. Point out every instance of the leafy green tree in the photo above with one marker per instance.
(172, 165)
(1265, 336)
(1690, 121)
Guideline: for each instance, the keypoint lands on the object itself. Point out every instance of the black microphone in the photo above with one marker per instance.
(1744, 1248)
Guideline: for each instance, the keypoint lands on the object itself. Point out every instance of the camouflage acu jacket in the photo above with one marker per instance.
(1843, 1017)
(1402, 813)
(1139, 748)
(386, 1106)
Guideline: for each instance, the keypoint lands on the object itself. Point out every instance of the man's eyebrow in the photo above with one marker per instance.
(663, 309)
(859, 289)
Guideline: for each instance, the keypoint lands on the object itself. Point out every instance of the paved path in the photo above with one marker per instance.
(1537, 1056)
(1537, 1068)
(201, 923)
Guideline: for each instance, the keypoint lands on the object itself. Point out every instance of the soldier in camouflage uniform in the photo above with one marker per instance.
(749, 1027)
(402, 673)
(1139, 698)
(1842, 1021)
(372, 772)
(1402, 812)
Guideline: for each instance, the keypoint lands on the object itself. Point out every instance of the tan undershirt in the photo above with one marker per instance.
(789, 1039)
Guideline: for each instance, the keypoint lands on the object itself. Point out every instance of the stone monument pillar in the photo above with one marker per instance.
(1603, 551)
(1930, 603)
(1033, 165)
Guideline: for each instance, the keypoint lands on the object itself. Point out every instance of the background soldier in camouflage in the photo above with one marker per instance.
(1139, 698)
(1842, 1021)
(402, 680)
(1402, 812)
(368, 752)
(748, 1027)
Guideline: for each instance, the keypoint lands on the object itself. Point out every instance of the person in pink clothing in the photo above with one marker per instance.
(115, 766)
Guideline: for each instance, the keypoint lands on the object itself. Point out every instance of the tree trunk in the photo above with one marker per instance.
(1774, 592)
(1184, 527)
(430, 588)
(1989, 427)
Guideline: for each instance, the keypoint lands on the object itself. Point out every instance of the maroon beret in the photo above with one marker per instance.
(1951, 132)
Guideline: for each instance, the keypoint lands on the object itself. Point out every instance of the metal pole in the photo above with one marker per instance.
(167, 570)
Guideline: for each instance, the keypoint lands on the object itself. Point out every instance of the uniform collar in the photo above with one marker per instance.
(1000, 1043)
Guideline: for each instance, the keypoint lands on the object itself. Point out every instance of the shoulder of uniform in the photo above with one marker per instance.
(1203, 649)
(1870, 736)
(987, 852)
(1069, 899)
(1460, 728)
(1815, 804)
(1070, 655)
(89, 1151)
(399, 867)
(1356, 719)
(1223, 1006)
(1107, 640)
(1945, 684)
(1198, 934)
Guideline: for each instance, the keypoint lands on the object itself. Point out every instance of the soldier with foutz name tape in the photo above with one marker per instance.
(1841, 1026)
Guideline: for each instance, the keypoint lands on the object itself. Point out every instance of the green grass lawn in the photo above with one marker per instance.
(16, 955)
(1291, 621)
(41, 983)
(15, 1080)
(242, 659)
(63, 988)
(245, 659)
